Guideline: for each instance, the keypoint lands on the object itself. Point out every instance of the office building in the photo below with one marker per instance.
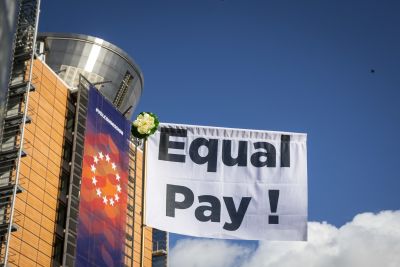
(160, 248)
(49, 185)
(101, 62)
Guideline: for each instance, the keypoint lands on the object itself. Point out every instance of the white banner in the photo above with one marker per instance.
(227, 183)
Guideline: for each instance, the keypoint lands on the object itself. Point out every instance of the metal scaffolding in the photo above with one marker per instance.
(15, 119)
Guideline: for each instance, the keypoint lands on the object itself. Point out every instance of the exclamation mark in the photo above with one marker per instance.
(273, 204)
(285, 150)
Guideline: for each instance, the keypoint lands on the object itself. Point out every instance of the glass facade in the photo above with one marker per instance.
(160, 248)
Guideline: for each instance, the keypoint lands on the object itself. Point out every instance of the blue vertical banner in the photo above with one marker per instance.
(103, 196)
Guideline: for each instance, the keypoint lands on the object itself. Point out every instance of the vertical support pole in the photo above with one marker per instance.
(134, 200)
(144, 173)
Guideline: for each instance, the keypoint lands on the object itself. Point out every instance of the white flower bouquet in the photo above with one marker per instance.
(146, 124)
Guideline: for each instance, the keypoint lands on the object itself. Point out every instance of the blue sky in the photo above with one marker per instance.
(300, 66)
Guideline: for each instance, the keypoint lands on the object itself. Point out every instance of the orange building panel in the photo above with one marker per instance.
(36, 207)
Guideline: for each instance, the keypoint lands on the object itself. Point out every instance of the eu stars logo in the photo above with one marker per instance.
(104, 167)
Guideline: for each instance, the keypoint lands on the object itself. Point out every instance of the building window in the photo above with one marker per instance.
(58, 250)
(123, 89)
(67, 153)
(64, 181)
(69, 125)
(61, 215)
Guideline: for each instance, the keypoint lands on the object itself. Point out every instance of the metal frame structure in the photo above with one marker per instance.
(12, 139)
(129, 240)
(72, 218)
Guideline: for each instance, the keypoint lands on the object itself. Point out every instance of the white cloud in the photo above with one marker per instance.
(370, 240)
(210, 253)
